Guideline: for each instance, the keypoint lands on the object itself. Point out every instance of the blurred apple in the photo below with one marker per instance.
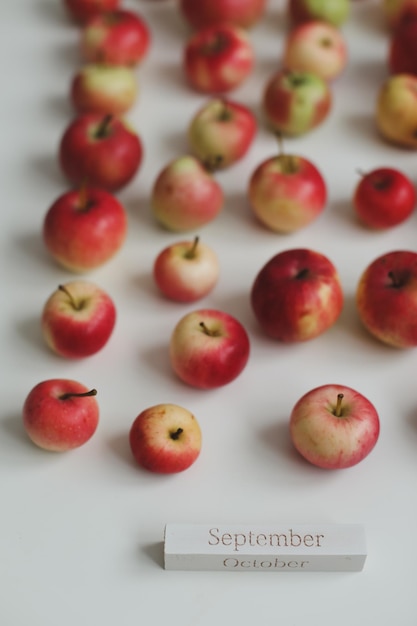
(84, 10)
(335, 12)
(396, 110)
(202, 13)
(105, 89)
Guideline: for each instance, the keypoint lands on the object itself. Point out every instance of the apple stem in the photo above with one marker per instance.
(190, 254)
(338, 409)
(395, 280)
(224, 112)
(76, 305)
(213, 163)
(210, 333)
(67, 396)
(103, 127)
(83, 195)
(176, 434)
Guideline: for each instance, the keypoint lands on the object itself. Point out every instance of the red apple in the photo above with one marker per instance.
(396, 110)
(202, 13)
(334, 426)
(78, 319)
(396, 11)
(297, 295)
(84, 10)
(221, 132)
(317, 47)
(185, 195)
(218, 58)
(402, 57)
(60, 414)
(103, 89)
(186, 271)
(84, 228)
(384, 197)
(165, 438)
(287, 192)
(208, 348)
(296, 102)
(118, 37)
(335, 12)
(102, 150)
(386, 298)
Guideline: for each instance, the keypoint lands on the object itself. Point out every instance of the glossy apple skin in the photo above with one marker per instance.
(218, 59)
(186, 271)
(79, 325)
(295, 103)
(185, 196)
(384, 197)
(84, 10)
(330, 441)
(221, 132)
(118, 37)
(156, 444)
(396, 110)
(108, 159)
(84, 228)
(243, 13)
(211, 356)
(297, 295)
(386, 298)
(402, 57)
(397, 11)
(335, 12)
(287, 192)
(316, 47)
(56, 423)
(103, 89)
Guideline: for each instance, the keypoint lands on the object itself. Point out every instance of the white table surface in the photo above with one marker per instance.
(81, 532)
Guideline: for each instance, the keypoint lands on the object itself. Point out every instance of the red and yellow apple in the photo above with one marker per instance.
(396, 110)
(104, 89)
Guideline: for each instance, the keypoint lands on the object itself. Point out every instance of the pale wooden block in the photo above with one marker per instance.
(265, 548)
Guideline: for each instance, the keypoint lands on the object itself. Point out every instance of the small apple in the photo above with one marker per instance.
(396, 110)
(103, 89)
(317, 47)
(118, 37)
(287, 192)
(84, 228)
(208, 348)
(102, 150)
(334, 426)
(335, 12)
(297, 295)
(186, 271)
(221, 132)
(384, 197)
(402, 56)
(60, 414)
(78, 319)
(165, 438)
(244, 13)
(386, 298)
(185, 195)
(296, 102)
(84, 10)
(396, 11)
(218, 58)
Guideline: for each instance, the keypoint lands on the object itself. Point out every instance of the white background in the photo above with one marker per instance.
(81, 532)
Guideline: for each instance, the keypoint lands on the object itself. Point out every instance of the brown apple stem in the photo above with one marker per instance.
(210, 333)
(176, 434)
(83, 195)
(212, 164)
(225, 111)
(103, 127)
(190, 254)
(338, 409)
(71, 298)
(85, 394)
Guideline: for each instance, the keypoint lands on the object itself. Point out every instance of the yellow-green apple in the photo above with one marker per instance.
(297, 295)
(221, 132)
(78, 319)
(84, 228)
(402, 55)
(287, 192)
(218, 58)
(119, 37)
(395, 11)
(84, 10)
(317, 47)
(384, 197)
(396, 110)
(244, 13)
(186, 271)
(296, 102)
(185, 195)
(334, 427)
(335, 12)
(208, 348)
(386, 298)
(165, 438)
(104, 89)
(102, 150)
(60, 414)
